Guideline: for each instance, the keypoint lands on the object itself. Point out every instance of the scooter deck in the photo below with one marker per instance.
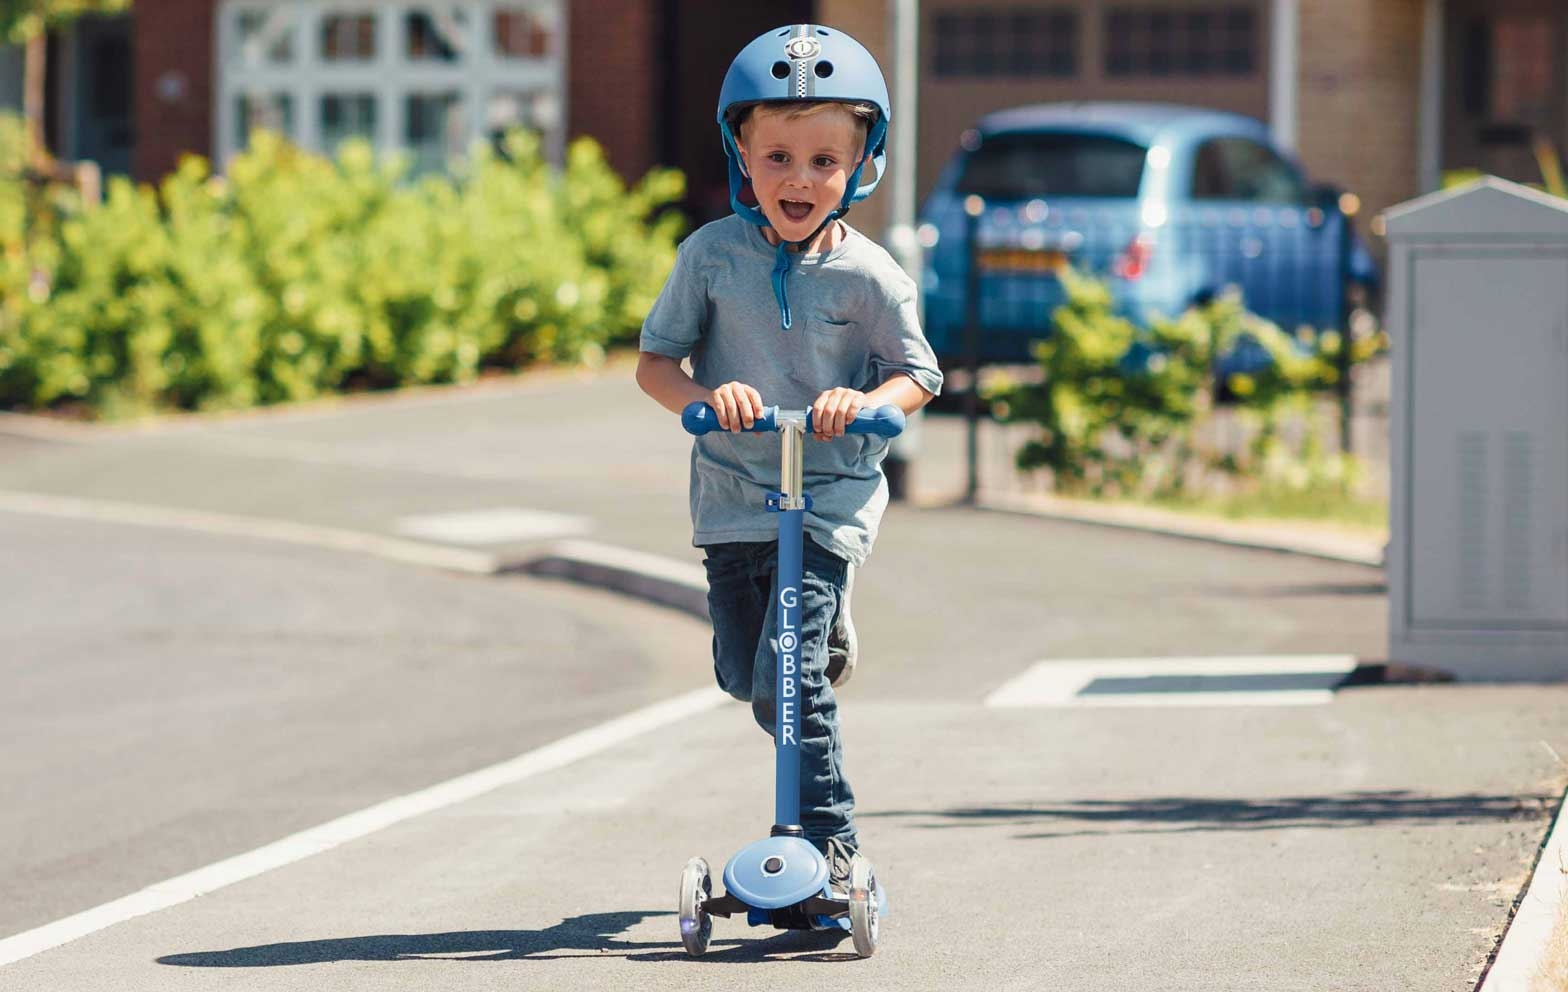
(821, 912)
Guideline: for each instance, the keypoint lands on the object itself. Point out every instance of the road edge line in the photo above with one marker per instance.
(354, 826)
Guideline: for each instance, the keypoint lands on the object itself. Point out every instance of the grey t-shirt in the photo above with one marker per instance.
(854, 324)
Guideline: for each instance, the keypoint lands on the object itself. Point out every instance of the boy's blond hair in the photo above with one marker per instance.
(739, 116)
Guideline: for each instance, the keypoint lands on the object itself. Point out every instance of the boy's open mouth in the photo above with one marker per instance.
(796, 210)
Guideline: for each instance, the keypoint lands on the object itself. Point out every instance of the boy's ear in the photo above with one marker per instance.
(745, 165)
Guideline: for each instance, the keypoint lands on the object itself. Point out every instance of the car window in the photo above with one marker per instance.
(1238, 169)
(1021, 166)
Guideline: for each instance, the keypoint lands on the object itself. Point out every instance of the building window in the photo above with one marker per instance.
(429, 77)
(536, 110)
(1523, 70)
(264, 111)
(345, 116)
(348, 38)
(1005, 42)
(436, 35)
(1201, 41)
(434, 129)
(266, 36)
(523, 33)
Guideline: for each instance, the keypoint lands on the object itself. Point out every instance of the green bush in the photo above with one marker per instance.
(1089, 391)
(296, 275)
(1119, 406)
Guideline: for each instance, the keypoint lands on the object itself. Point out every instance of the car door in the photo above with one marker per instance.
(1263, 234)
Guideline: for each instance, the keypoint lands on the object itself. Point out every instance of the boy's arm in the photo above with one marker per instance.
(663, 378)
(660, 376)
(902, 391)
(835, 408)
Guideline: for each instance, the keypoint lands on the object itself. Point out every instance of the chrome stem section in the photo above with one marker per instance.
(792, 431)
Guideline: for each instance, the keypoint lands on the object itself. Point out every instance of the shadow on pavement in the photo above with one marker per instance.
(1162, 815)
(594, 932)
(785, 945)
(591, 935)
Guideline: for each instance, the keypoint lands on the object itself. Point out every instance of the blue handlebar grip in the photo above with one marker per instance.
(699, 418)
(885, 421)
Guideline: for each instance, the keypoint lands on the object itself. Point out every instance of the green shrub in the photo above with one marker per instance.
(1089, 392)
(296, 275)
(1119, 406)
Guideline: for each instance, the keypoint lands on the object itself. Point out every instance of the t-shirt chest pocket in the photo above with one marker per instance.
(827, 355)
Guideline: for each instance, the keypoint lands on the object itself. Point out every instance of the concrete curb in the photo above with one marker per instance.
(1331, 547)
(645, 576)
(47, 428)
(631, 573)
(1530, 931)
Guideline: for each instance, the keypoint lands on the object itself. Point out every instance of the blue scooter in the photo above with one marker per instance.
(783, 880)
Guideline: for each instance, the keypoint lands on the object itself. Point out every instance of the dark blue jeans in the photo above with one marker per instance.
(743, 603)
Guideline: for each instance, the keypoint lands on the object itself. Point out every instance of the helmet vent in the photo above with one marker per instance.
(822, 31)
(824, 70)
(781, 70)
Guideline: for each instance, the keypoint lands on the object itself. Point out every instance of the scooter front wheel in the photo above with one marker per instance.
(863, 909)
(696, 889)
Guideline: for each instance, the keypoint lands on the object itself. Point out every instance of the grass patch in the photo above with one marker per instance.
(1308, 507)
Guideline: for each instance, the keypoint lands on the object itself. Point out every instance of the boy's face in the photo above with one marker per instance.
(799, 166)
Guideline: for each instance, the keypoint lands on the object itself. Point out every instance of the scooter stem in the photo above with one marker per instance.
(792, 513)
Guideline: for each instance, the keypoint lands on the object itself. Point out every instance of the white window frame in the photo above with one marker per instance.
(477, 75)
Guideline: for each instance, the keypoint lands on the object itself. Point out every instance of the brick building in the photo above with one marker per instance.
(1378, 96)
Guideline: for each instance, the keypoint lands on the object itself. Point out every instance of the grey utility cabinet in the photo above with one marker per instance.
(1478, 315)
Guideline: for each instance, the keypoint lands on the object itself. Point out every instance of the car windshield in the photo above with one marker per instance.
(1020, 166)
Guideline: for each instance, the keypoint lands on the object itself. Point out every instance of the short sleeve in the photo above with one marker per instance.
(896, 343)
(679, 317)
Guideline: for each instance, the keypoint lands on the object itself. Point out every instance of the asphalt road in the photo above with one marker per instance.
(173, 699)
(180, 698)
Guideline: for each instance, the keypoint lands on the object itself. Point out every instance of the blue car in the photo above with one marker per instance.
(1170, 204)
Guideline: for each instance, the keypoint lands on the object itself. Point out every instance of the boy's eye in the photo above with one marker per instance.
(823, 162)
(778, 157)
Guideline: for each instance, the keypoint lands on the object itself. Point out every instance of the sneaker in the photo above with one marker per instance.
(843, 646)
(838, 855)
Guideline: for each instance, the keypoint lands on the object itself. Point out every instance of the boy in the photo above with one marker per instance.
(784, 304)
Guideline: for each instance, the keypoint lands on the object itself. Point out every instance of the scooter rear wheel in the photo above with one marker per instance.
(863, 898)
(696, 924)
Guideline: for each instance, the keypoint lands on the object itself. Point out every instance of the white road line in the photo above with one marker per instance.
(1060, 683)
(261, 528)
(354, 826)
(1526, 941)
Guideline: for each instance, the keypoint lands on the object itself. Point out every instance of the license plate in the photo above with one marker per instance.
(1025, 260)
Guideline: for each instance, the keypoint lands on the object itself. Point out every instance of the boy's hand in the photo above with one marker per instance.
(833, 410)
(737, 404)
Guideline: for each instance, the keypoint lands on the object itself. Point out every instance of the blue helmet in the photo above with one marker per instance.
(804, 62)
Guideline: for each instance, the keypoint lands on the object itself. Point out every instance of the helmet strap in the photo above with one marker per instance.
(781, 265)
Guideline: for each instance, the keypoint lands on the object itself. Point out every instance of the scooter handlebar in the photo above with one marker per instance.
(883, 421)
